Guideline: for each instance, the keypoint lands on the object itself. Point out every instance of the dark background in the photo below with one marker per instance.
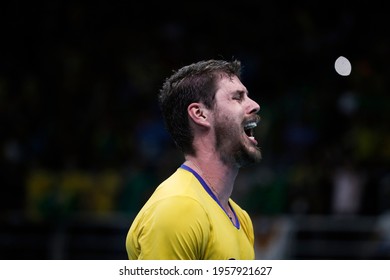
(83, 144)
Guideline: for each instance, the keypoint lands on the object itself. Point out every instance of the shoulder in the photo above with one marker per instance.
(177, 211)
(178, 226)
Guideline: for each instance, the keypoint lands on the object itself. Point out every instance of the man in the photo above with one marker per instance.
(191, 216)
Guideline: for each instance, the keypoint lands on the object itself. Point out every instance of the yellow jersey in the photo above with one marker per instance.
(183, 220)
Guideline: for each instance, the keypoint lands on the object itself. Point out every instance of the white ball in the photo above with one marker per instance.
(343, 66)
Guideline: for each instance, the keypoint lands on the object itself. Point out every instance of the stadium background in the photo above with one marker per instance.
(83, 145)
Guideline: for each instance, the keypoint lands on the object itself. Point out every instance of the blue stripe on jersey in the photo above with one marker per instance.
(209, 191)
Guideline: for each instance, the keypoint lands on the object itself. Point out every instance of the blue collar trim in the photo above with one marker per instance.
(236, 222)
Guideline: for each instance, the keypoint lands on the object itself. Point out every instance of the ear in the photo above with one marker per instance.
(199, 114)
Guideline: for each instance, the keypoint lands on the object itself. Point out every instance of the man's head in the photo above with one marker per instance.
(199, 84)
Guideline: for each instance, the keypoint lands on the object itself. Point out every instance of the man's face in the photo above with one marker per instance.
(234, 119)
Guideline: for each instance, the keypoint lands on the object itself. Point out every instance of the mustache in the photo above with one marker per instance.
(255, 118)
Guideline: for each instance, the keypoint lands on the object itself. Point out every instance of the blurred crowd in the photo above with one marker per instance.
(81, 130)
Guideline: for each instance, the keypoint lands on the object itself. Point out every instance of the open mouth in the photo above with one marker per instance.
(248, 129)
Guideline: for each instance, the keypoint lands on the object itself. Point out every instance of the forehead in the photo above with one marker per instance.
(229, 85)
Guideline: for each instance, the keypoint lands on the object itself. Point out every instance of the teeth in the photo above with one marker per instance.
(250, 125)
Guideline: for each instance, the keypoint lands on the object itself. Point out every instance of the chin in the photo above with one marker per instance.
(247, 157)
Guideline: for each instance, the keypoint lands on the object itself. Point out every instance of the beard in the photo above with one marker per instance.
(232, 145)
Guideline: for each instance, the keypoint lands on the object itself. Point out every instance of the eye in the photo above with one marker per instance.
(238, 96)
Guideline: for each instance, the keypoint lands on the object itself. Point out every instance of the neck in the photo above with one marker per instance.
(217, 175)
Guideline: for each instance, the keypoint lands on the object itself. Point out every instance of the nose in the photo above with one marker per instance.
(253, 107)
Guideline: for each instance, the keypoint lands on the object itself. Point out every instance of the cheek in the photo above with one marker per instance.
(227, 131)
(226, 116)
(227, 123)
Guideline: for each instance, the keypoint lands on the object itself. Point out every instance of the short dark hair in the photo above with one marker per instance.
(196, 82)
